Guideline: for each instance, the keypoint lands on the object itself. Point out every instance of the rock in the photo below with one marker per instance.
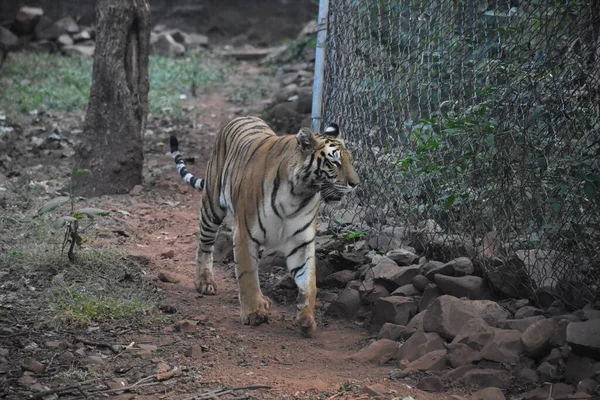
(249, 54)
(167, 308)
(375, 391)
(430, 384)
(584, 337)
(26, 20)
(528, 311)
(82, 35)
(578, 368)
(166, 46)
(420, 282)
(403, 257)
(431, 293)
(169, 277)
(390, 331)
(370, 292)
(521, 324)
(116, 383)
(483, 378)
(55, 29)
(460, 266)
(405, 275)
(26, 380)
(430, 265)
(29, 364)
(419, 344)
(65, 40)
(585, 315)
(536, 338)
(380, 351)
(503, 347)
(529, 375)
(440, 246)
(561, 390)
(92, 360)
(346, 305)
(431, 361)
(392, 237)
(415, 324)
(7, 38)
(490, 393)
(394, 309)
(587, 385)
(460, 354)
(383, 272)
(447, 315)
(272, 259)
(194, 351)
(186, 326)
(510, 278)
(56, 344)
(547, 372)
(457, 374)
(406, 291)
(539, 393)
(340, 279)
(286, 282)
(190, 40)
(462, 286)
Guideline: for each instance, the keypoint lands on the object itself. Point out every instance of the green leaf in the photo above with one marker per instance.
(52, 204)
(590, 190)
(92, 212)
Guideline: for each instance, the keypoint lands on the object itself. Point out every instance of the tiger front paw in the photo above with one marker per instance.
(205, 284)
(256, 315)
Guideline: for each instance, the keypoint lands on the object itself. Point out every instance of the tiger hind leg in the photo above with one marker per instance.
(210, 220)
(254, 306)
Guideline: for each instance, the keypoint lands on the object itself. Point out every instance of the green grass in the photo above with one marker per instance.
(35, 81)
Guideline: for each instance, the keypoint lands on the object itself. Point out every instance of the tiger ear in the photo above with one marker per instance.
(332, 130)
(306, 139)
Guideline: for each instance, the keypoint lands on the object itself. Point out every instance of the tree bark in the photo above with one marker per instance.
(109, 158)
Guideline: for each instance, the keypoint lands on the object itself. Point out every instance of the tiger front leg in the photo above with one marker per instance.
(254, 306)
(301, 265)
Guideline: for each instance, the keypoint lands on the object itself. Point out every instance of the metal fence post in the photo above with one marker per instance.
(318, 83)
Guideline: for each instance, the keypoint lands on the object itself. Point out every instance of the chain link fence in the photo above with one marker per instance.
(480, 117)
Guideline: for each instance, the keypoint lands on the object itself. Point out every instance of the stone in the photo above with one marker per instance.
(405, 275)
(169, 277)
(26, 380)
(431, 293)
(26, 20)
(510, 278)
(194, 351)
(79, 50)
(286, 282)
(370, 292)
(29, 364)
(579, 395)
(166, 46)
(447, 314)
(56, 28)
(528, 311)
(137, 190)
(547, 372)
(578, 368)
(340, 279)
(587, 386)
(92, 360)
(189, 40)
(489, 393)
(186, 326)
(116, 383)
(539, 393)
(529, 375)
(391, 237)
(375, 391)
(56, 344)
(380, 351)
(584, 337)
(431, 361)
(383, 272)
(82, 35)
(249, 54)
(561, 390)
(394, 309)
(403, 257)
(419, 344)
(503, 347)
(390, 331)
(458, 373)
(346, 305)
(406, 291)
(521, 325)
(65, 40)
(483, 378)
(460, 354)
(415, 324)
(420, 282)
(536, 338)
(460, 266)
(430, 384)
(462, 286)
(7, 38)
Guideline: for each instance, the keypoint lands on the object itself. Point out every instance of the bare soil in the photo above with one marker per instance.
(164, 218)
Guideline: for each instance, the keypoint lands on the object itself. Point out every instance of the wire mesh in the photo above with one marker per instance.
(480, 117)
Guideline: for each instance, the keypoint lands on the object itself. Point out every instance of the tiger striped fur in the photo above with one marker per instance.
(273, 185)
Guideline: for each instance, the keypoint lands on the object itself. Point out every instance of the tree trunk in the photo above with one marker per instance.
(109, 158)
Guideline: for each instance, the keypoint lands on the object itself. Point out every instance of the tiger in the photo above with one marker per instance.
(273, 187)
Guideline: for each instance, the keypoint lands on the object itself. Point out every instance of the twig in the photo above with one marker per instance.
(131, 387)
(63, 389)
(112, 347)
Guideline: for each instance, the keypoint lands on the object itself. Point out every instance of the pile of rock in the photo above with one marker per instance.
(32, 29)
(441, 321)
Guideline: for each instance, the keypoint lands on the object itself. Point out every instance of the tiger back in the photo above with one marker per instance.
(273, 186)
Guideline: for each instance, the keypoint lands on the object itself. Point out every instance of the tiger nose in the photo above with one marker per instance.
(353, 183)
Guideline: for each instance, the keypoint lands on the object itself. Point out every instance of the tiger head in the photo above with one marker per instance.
(327, 164)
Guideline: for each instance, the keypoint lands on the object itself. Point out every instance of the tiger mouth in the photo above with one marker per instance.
(332, 197)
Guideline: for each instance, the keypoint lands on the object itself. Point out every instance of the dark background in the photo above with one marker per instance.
(259, 22)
